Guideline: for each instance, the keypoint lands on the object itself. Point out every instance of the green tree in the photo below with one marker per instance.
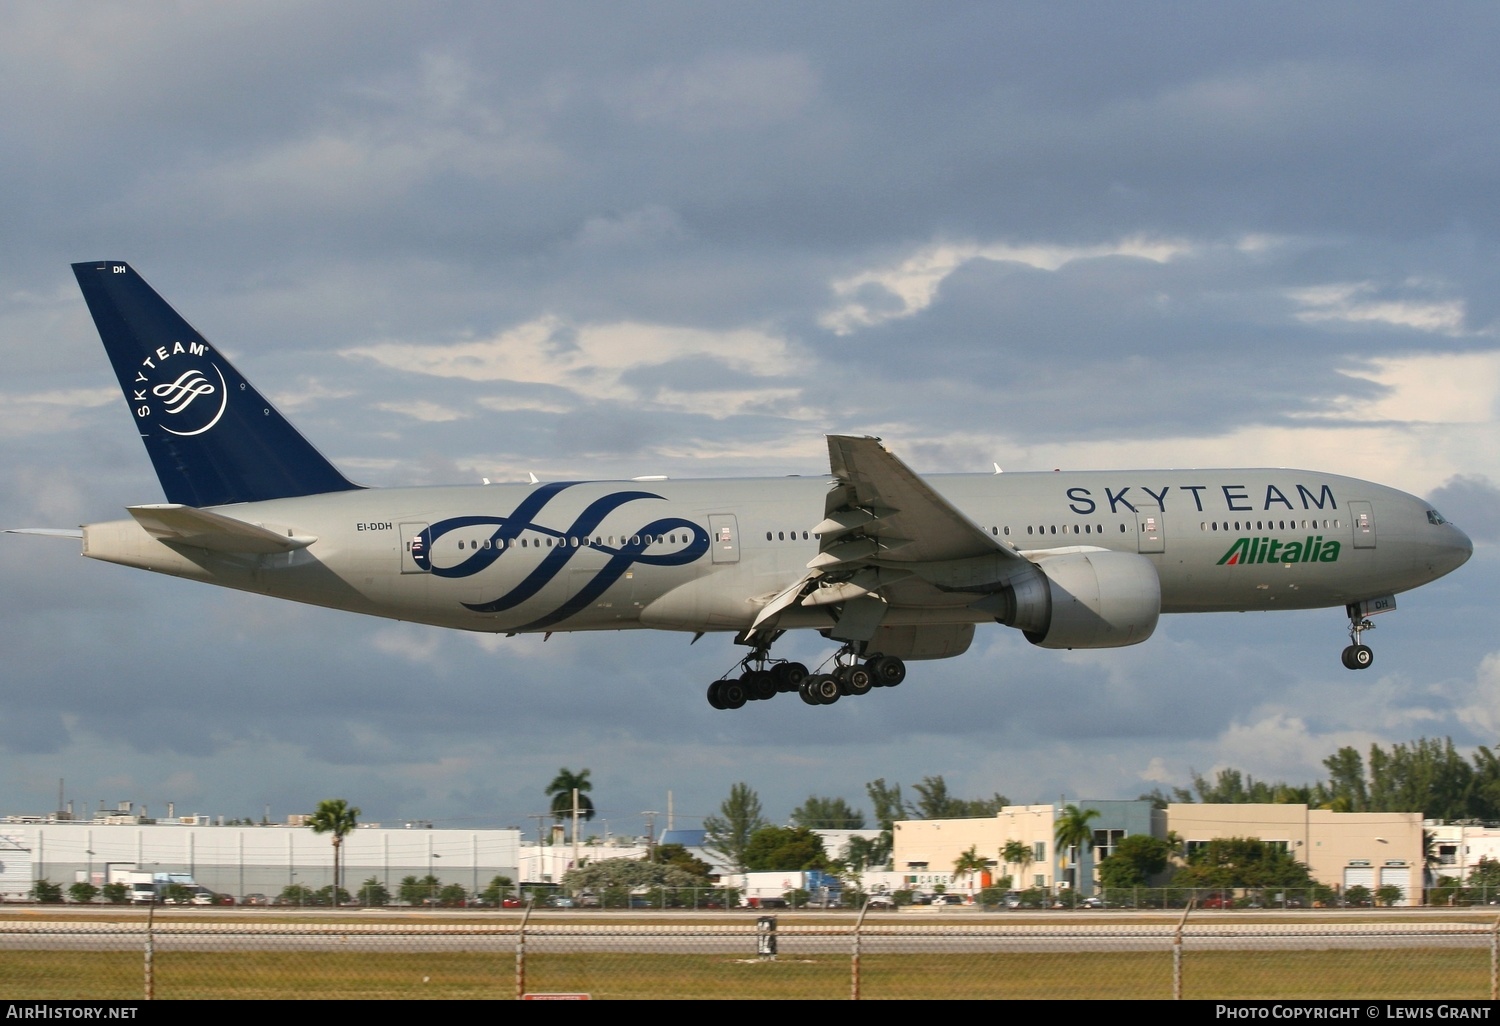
(888, 807)
(1072, 832)
(1346, 781)
(827, 814)
(615, 880)
(1232, 862)
(561, 789)
(297, 894)
(337, 818)
(969, 862)
(1017, 853)
(177, 894)
(83, 893)
(862, 853)
(1136, 859)
(324, 896)
(373, 893)
(934, 801)
(774, 848)
(116, 893)
(47, 892)
(414, 891)
(498, 889)
(678, 857)
(452, 896)
(729, 832)
(1486, 875)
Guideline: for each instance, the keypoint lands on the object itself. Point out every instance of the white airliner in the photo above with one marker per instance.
(890, 565)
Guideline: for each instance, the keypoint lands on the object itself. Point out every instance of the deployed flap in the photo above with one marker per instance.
(877, 497)
(184, 525)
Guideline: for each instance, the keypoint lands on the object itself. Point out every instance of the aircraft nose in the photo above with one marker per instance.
(1458, 550)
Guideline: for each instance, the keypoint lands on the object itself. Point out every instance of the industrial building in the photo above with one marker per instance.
(1340, 849)
(241, 860)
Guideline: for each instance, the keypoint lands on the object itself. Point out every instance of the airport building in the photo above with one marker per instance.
(924, 850)
(242, 860)
(1340, 849)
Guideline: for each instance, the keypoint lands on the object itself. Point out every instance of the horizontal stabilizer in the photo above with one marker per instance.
(184, 525)
(49, 532)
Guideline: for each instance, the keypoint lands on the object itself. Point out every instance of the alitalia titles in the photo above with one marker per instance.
(1272, 550)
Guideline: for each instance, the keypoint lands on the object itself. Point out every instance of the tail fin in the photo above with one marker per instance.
(213, 438)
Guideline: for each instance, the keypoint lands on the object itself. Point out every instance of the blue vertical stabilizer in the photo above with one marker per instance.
(212, 437)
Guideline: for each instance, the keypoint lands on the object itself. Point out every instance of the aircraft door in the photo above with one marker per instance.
(414, 545)
(1363, 515)
(725, 535)
(1150, 530)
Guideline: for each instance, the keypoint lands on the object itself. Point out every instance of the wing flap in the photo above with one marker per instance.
(186, 525)
(878, 497)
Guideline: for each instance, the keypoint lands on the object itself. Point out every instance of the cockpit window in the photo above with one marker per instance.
(1434, 517)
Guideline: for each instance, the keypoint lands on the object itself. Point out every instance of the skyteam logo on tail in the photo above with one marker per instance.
(182, 397)
(1273, 550)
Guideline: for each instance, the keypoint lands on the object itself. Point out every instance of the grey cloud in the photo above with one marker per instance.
(1473, 503)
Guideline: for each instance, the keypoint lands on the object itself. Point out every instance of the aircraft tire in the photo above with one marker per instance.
(713, 695)
(806, 691)
(1360, 657)
(858, 681)
(760, 685)
(825, 688)
(886, 671)
(789, 676)
(732, 694)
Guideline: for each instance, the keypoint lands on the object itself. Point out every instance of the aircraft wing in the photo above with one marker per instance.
(889, 538)
(187, 525)
(881, 511)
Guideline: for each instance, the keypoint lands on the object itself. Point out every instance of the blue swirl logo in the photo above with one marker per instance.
(506, 530)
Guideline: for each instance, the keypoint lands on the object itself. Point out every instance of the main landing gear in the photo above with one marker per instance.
(1358, 656)
(762, 680)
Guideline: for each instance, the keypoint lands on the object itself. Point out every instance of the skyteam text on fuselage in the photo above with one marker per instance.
(890, 565)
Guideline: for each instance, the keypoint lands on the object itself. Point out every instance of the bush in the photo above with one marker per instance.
(47, 892)
(83, 893)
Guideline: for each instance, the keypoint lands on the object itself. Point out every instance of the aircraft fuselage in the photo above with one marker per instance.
(706, 555)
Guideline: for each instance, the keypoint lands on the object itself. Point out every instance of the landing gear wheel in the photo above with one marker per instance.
(807, 693)
(857, 681)
(824, 688)
(886, 671)
(789, 676)
(1358, 657)
(713, 695)
(732, 694)
(760, 685)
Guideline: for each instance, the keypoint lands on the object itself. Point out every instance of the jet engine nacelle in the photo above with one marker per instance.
(1086, 600)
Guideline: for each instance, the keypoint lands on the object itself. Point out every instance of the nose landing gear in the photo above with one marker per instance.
(1358, 656)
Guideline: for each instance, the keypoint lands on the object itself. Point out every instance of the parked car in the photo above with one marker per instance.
(880, 901)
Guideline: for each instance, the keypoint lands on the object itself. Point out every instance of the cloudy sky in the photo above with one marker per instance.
(579, 240)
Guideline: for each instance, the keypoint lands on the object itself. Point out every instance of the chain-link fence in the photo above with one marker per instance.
(766, 957)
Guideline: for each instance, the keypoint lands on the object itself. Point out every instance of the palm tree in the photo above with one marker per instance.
(1018, 853)
(561, 789)
(1072, 831)
(337, 817)
(969, 862)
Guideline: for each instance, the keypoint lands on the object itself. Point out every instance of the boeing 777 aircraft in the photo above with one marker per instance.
(890, 565)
